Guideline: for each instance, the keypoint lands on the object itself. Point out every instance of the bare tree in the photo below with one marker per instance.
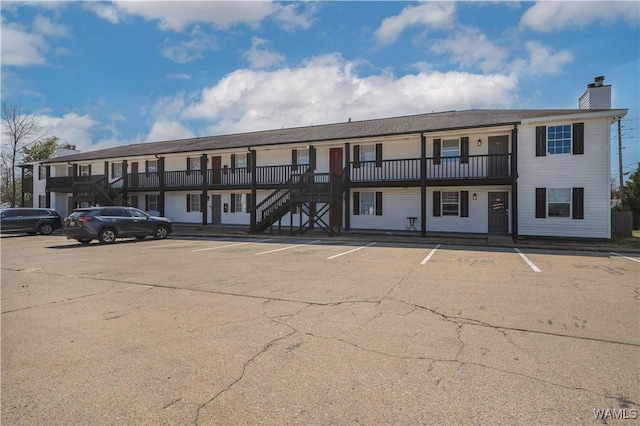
(19, 127)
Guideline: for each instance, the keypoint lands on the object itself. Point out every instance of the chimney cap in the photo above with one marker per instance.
(599, 79)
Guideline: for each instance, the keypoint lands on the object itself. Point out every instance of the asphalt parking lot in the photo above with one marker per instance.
(234, 331)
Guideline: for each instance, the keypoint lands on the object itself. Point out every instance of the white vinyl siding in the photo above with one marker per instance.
(589, 171)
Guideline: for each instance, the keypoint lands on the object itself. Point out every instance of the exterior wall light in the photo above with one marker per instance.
(475, 197)
(479, 142)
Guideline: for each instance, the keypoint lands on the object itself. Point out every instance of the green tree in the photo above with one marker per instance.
(41, 150)
(632, 196)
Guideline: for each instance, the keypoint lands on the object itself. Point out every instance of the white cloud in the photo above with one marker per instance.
(547, 16)
(541, 60)
(20, 47)
(190, 50)
(104, 10)
(164, 129)
(46, 27)
(327, 89)
(291, 19)
(433, 15)
(470, 48)
(260, 56)
(70, 128)
(176, 15)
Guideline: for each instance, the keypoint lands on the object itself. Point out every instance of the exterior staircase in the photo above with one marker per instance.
(98, 192)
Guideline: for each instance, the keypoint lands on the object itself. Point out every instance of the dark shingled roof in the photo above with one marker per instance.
(433, 122)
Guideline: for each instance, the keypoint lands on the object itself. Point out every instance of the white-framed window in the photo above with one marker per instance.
(241, 161)
(194, 202)
(42, 201)
(450, 148)
(194, 163)
(450, 203)
(42, 173)
(152, 202)
(559, 139)
(152, 166)
(116, 170)
(367, 203)
(559, 202)
(84, 170)
(303, 157)
(240, 203)
(367, 153)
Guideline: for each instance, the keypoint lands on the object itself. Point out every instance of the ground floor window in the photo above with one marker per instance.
(450, 203)
(240, 203)
(559, 202)
(193, 202)
(42, 201)
(151, 202)
(367, 203)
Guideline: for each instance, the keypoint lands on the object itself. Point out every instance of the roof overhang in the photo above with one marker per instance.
(615, 114)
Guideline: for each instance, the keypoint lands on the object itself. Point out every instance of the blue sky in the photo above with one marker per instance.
(101, 74)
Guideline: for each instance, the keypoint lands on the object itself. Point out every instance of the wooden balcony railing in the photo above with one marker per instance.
(387, 170)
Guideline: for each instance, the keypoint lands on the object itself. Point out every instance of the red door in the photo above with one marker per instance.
(335, 167)
(216, 167)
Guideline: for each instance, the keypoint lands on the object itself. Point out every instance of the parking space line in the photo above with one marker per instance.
(529, 262)
(350, 251)
(626, 257)
(431, 253)
(179, 244)
(232, 245)
(287, 248)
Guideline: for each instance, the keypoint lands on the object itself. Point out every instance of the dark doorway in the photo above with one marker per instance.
(336, 161)
(498, 212)
(216, 209)
(498, 156)
(216, 168)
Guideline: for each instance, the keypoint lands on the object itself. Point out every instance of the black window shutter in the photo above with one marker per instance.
(113, 170)
(541, 141)
(188, 203)
(356, 156)
(437, 148)
(249, 165)
(578, 203)
(464, 150)
(249, 206)
(541, 203)
(89, 169)
(578, 139)
(146, 167)
(188, 166)
(378, 203)
(146, 203)
(233, 163)
(294, 160)
(436, 203)
(233, 203)
(312, 158)
(378, 155)
(356, 203)
(464, 203)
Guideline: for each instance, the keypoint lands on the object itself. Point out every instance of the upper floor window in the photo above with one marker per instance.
(450, 148)
(303, 157)
(559, 139)
(367, 153)
(116, 170)
(193, 163)
(85, 170)
(241, 162)
(152, 166)
(42, 172)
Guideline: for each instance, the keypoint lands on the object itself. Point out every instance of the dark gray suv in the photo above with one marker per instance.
(30, 220)
(111, 222)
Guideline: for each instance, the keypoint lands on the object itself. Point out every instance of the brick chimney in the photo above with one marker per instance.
(597, 96)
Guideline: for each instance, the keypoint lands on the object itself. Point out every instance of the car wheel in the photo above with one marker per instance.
(45, 229)
(161, 232)
(107, 236)
(83, 240)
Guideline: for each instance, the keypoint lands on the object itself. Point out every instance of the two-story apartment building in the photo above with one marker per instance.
(519, 172)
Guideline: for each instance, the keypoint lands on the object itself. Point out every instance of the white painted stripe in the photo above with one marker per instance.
(168, 245)
(287, 248)
(626, 257)
(350, 251)
(529, 262)
(431, 253)
(231, 245)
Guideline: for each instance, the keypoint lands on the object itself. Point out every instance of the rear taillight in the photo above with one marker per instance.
(84, 219)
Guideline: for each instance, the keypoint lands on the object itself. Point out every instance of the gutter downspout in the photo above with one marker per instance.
(423, 185)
